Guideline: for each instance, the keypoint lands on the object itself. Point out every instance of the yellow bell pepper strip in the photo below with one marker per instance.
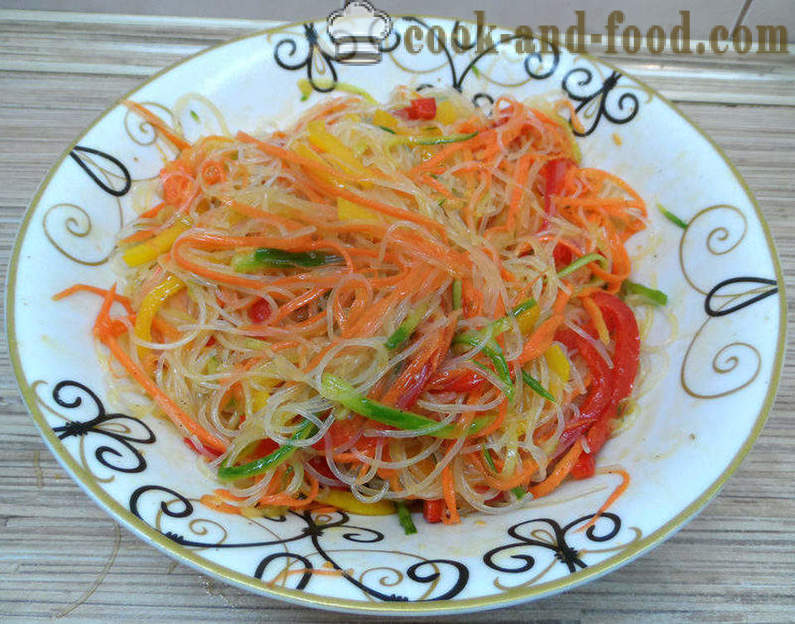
(270, 461)
(348, 502)
(351, 211)
(149, 250)
(502, 324)
(340, 391)
(558, 362)
(302, 149)
(384, 120)
(151, 303)
(527, 319)
(446, 112)
(322, 139)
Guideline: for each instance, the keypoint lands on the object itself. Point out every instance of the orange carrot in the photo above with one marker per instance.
(561, 471)
(159, 124)
(172, 410)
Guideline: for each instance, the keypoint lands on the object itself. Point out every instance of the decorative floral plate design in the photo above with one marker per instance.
(717, 353)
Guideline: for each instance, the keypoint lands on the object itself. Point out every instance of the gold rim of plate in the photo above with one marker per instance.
(502, 599)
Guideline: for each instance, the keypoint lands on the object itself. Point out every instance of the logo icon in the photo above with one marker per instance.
(357, 30)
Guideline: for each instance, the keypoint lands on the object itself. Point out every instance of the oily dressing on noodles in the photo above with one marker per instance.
(411, 303)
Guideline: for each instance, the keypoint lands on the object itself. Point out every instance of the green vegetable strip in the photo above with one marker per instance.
(656, 297)
(438, 140)
(340, 391)
(503, 324)
(265, 257)
(672, 217)
(457, 294)
(581, 262)
(264, 464)
(492, 351)
(406, 328)
(404, 516)
(389, 130)
(537, 387)
(517, 491)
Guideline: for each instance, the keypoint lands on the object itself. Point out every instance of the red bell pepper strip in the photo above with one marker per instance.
(420, 108)
(585, 466)
(610, 386)
(457, 380)
(554, 173)
(432, 510)
(259, 311)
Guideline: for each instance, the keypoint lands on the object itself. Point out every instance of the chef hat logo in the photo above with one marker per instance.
(357, 31)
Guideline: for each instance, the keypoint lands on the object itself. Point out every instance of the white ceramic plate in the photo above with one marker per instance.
(718, 375)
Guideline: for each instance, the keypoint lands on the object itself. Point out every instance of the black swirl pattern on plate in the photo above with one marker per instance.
(723, 311)
(121, 170)
(524, 545)
(313, 529)
(581, 86)
(534, 64)
(316, 58)
(123, 443)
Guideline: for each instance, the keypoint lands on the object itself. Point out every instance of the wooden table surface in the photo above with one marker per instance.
(62, 557)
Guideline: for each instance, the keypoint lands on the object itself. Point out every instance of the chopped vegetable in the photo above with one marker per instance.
(406, 328)
(558, 362)
(536, 386)
(457, 294)
(149, 250)
(150, 304)
(420, 108)
(340, 391)
(493, 351)
(348, 502)
(404, 516)
(270, 461)
(672, 217)
(384, 120)
(266, 257)
(349, 211)
(581, 262)
(415, 139)
(656, 297)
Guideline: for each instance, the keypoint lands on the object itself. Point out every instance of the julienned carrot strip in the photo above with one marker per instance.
(172, 410)
(125, 301)
(297, 303)
(519, 182)
(622, 487)
(448, 488)
(153, 211)
(521, 476)
(162, 126)
(502, 412)
(284, 500)
(561, 471)
(541, 339)
(213, 502)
